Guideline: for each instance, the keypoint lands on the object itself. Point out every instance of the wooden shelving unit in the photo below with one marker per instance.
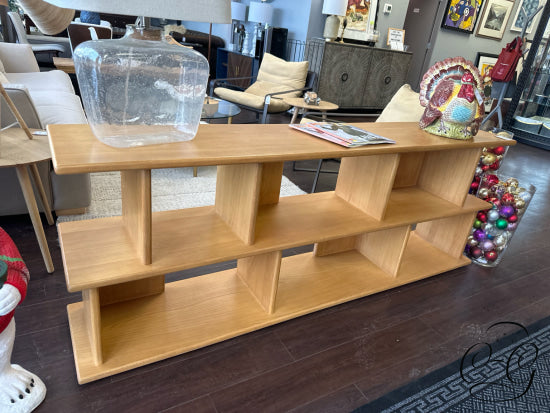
(362, 231)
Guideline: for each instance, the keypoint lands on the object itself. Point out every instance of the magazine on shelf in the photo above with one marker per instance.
(341, 133)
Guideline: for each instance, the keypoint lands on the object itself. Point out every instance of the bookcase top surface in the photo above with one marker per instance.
(76, 150)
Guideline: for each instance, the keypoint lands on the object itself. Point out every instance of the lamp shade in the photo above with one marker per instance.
(208, 11)
(238, 11)
(260, 12)
(335, 7)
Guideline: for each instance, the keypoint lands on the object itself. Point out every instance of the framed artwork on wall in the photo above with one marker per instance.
(530, 7)
(494, 18)
(361, 19)
(485, 63)
(461, 15)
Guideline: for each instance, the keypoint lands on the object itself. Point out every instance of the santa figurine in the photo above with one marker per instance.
(20, 390)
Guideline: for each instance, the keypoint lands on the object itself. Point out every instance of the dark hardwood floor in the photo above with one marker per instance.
(331, 361)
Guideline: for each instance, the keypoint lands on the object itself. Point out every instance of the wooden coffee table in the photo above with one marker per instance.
(299, 103)
(17, 151)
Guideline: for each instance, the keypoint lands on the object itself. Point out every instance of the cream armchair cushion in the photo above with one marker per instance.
(403, 107)
(275, 75)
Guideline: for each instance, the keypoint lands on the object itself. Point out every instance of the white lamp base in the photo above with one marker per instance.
(332, 25)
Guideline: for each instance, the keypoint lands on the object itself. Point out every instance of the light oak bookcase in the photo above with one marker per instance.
(362, 233)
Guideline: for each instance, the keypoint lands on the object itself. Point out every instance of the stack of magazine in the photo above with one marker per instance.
(341, 133)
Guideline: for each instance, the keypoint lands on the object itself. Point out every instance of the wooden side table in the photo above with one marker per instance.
(17, 151)
(299, 103)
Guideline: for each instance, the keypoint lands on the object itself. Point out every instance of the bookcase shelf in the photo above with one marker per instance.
(363, 235)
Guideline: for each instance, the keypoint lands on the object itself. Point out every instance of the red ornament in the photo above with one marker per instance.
(499, 150)
(477, 178)
(474, 186)
(491, 255)
(491, 179)
(513, 218)
(494, 166)
(507, 199)
(485, 168)
(476, 252)
(482, 216)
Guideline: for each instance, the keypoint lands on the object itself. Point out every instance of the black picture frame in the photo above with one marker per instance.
(456, 16)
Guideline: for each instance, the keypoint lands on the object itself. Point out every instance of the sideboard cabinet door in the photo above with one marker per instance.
(355, 76)
(388, 73)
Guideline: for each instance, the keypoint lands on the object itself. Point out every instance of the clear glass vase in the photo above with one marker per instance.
(493, 228)
(138, 91)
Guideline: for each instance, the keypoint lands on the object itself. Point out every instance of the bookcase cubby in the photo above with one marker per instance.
(399, 213)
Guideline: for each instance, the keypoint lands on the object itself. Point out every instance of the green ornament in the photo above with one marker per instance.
(501, 223)
(477, 224)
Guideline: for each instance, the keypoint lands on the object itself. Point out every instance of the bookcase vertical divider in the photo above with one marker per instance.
(270, 187)
(410, 165)
(334, 246)
(136, 210)
(366, 182)
(261, 275)
(448, 174)
(447, 234)
(92, 319)
(131, 290)
(385, 248)
(237, 197)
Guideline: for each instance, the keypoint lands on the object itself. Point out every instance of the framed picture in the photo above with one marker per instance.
(530, 7)
(361, 19)
(461, 15)
(485, 63)
(494, 18)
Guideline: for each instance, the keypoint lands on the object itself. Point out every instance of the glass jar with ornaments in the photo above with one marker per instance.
(493, 228)
(490, 160)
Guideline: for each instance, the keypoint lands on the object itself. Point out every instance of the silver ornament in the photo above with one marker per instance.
(500, 240)
(493, 215)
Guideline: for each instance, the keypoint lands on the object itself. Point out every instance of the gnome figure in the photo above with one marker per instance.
(20, 390)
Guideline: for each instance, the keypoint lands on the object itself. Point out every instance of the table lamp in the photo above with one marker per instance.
(333, 8)
(238, 13)
(137, 91)
(260, 13)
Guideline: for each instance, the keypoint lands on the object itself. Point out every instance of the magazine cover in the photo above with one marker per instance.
(341, 133)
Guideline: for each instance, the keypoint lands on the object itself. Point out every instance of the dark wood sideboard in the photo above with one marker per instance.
(361, 77)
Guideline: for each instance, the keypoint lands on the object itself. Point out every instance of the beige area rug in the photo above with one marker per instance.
(171, 189)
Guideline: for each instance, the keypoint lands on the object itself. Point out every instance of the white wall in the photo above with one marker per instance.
(395, 20)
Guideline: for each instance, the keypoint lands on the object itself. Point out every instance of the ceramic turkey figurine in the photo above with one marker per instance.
(450, 92)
